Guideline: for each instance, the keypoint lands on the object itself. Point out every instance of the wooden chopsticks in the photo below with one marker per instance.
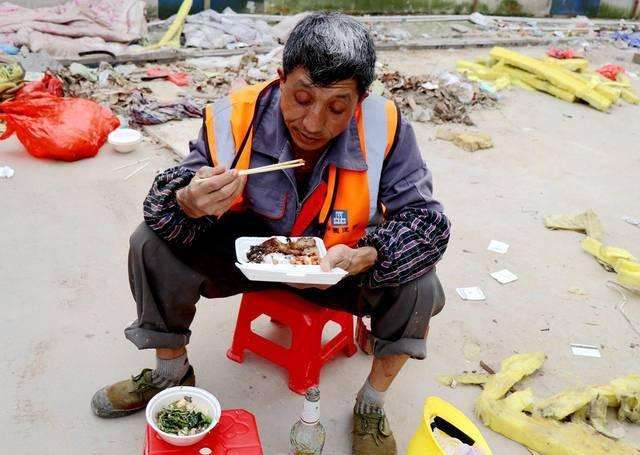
(272, 167)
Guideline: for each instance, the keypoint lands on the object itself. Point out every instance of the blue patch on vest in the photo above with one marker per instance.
(339, 218)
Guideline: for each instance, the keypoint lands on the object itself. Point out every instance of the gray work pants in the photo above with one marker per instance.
(167, 282)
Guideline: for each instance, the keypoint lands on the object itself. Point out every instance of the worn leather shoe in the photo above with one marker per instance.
(372, 435)
(131, 395)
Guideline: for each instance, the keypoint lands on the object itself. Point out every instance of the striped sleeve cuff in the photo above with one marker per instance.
(163, 214)
(409, 245)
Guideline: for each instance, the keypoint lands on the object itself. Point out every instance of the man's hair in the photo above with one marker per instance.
(332, 47)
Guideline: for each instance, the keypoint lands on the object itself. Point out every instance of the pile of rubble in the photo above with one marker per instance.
(447, 98)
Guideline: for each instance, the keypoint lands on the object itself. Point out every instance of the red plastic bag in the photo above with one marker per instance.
(59, 128)
(611, 71)
(48, 84)
(180, 78)
(561, 53)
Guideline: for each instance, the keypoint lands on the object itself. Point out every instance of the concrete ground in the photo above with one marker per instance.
(65, 298)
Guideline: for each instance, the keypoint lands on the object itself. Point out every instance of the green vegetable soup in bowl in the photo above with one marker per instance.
(183, 415)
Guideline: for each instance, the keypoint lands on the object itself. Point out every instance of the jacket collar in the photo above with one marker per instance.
(271, 136)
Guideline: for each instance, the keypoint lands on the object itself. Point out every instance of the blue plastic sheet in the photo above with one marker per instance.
(632, 39)
(8, 49)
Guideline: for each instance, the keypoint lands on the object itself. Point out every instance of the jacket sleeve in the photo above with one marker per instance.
(415, 232)
(161, 210)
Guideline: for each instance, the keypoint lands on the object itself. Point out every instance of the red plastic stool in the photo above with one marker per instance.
(307, 355)
(236, 433)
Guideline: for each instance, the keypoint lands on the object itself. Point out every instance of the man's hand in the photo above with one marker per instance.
(352, 260)
(211, 192)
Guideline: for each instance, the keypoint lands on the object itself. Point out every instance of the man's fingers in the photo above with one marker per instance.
(206, 171)
(216, 182)
(325, 264)
(218, 202)
(226, 192)
(331, 260)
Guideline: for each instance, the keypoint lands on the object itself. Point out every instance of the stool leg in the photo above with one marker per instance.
(242, 333)
(350, 347)
(306, 348)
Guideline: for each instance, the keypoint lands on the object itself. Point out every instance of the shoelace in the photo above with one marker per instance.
(141, 381)
(374, 425)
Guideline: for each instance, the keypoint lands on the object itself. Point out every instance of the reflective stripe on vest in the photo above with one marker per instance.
(376, 124)
(221, 144)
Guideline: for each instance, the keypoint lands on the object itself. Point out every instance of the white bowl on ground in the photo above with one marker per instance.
(204, 400)
(125, 140)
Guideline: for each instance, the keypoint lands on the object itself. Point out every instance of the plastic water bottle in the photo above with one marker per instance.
(308, 434)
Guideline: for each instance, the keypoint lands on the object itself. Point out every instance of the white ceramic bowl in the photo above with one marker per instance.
(125, 140)
(203, 399)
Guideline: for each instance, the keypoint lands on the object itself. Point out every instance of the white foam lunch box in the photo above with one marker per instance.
(284, 273)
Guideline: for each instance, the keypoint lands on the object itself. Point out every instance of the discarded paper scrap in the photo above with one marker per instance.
(6, 172)
(498, 247)
(585, 350)
(471, 293)
(504, 276)
(632, 221)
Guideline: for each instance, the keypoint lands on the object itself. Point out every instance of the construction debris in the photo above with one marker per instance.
(146, 112)
(466, 140)
(212, 30)
(447, 98)
(569, 80)
(536, 424)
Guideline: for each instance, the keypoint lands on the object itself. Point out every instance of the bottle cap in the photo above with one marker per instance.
(205, 451)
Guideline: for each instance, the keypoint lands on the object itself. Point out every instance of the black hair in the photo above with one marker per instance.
(332, 47)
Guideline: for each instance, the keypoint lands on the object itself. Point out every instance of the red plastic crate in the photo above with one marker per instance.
(235, 434)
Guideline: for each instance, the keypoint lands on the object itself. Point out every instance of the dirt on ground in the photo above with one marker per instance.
(65, 294)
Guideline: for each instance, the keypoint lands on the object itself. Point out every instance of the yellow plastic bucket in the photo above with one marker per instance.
(444, 416)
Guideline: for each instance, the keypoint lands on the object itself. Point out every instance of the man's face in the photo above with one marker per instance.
(315, 115)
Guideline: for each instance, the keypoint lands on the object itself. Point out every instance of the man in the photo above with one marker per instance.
(365, 189)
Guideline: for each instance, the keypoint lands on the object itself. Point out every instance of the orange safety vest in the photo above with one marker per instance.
(349, 199)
